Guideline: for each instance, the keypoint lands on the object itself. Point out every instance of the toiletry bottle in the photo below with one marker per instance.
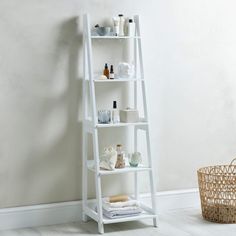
(131, 28)
(115, 113)
(116, 22)
(112, 75)
(106, 71)
(122, 22)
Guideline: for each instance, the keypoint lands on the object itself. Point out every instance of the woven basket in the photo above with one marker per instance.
(217, 186)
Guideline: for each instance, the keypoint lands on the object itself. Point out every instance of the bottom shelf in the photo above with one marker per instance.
(91, 212)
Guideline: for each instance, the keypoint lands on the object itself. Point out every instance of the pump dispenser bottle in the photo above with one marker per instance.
(115, 113)
(106, 71)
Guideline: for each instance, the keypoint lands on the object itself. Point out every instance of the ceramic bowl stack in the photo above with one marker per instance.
(103, 31)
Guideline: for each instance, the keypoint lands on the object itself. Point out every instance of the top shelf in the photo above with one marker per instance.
(114, 37)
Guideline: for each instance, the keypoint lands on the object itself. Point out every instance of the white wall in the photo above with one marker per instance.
(189, 53)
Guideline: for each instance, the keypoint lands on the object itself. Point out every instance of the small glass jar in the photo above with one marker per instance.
(104, 116)
(120, 163)
(135, 159)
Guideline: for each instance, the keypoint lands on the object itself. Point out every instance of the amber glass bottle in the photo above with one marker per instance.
(106, 71)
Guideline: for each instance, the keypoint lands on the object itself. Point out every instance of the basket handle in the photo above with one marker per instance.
(231, 163)
(214, 167)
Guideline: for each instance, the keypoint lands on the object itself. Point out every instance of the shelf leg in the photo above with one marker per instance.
(85, 137)
(100, 228)
(98, 182)
(136, 193)
(85, 175)
(84, 217)
(155, 222)
(151, 177)
(99, 204)
(94, 120)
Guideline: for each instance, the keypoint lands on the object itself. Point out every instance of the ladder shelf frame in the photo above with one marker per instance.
(91, 126)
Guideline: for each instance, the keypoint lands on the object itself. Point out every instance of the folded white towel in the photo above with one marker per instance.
(124, 213)
(120, 209)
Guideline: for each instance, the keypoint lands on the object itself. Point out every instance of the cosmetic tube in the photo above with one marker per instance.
(116, 22)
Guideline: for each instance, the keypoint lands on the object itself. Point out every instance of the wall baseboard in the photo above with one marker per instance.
(65, 212)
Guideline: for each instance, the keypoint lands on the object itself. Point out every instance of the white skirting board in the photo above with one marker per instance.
(65, 212)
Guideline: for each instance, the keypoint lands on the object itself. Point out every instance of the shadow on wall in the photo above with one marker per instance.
(56, 164)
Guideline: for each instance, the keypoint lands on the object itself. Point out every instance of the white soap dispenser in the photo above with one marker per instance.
(131, 28)
(115, 113)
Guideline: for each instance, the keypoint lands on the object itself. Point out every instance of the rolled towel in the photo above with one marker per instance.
(118, 198)
(115, 205)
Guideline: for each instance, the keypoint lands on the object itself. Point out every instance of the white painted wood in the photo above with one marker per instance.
(135, 72)
(140, 56)
(114, 37)
(94, 120)
(91, 125)
(136, 190)
(143, 215)
(84, 127)
(120, 124)
(90, 69)
(98, 183)
(65, 212)
(92, 213)
(127, 169)
(147, 208)
(117, 80)
(151, 174)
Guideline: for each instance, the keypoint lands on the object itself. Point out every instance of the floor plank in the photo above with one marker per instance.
(181, 222)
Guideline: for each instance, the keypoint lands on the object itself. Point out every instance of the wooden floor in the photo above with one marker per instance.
(184, 222)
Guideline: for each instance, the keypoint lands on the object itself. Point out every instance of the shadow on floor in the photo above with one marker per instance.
(92, 228)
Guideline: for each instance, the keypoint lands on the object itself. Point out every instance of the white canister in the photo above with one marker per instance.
(131, 28)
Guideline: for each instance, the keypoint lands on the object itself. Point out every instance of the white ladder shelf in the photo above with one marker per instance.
(91, 126)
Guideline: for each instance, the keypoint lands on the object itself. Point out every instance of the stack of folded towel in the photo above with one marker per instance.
(120, 209)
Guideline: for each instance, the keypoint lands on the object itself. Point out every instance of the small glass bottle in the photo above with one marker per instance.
(120, 163)
(106, 71)
(112, 75)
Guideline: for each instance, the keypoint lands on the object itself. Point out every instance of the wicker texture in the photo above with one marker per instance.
(217, 186)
